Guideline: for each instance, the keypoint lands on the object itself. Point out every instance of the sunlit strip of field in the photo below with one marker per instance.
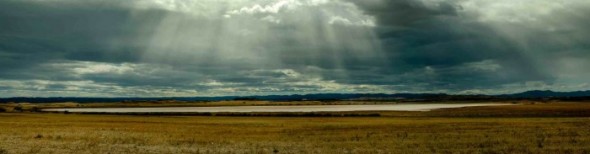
(71, 133)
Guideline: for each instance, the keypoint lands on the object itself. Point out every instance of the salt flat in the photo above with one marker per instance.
(298, 108)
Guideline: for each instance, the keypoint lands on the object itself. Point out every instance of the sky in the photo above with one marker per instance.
(173, 48)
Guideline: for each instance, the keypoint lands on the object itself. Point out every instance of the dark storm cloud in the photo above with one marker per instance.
(405, 13)
(201, 47)
(36, 33)
(441, 36)
(89, 31)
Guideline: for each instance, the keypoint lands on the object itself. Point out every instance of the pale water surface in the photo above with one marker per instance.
(299, 108)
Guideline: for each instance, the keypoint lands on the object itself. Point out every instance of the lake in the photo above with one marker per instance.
(294, 108)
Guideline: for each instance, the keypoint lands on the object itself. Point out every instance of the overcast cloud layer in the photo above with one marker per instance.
(256, 47)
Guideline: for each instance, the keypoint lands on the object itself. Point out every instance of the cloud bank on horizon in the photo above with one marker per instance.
(110, 48)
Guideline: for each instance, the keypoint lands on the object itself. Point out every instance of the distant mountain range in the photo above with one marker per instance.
(548, 94)
(536, 94)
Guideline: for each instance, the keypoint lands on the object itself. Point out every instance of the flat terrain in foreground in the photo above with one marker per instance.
(495, 130)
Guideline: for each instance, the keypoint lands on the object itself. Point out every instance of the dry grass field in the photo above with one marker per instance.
(495, 130)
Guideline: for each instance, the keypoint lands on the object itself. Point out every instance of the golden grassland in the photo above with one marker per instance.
(56, 133)
(538, 128)
(554, 109)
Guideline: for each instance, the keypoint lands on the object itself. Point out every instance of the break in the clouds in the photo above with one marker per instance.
(258, 47)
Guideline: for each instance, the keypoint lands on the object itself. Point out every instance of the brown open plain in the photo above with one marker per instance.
(530, 128)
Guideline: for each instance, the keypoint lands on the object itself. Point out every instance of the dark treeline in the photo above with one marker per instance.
(403, 97)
